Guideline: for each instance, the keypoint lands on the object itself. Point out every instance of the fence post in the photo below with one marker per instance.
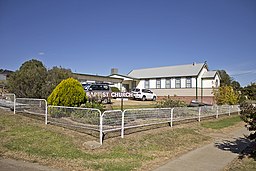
(217, 114)
(199, 114)
(172, 116)
(122, 126)
(229, 110)
(14, 104)
(101, 128)
(46, 112)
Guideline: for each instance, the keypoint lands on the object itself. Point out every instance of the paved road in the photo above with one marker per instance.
(212, 157)
(18, 165)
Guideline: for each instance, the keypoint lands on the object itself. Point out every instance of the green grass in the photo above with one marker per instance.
(222, 123)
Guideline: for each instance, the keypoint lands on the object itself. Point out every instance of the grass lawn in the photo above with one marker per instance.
(222, 123)
(29, 139)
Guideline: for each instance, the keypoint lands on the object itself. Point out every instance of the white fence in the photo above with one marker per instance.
(36, 107)
(111, 120)
(8, 100)
(77, 117)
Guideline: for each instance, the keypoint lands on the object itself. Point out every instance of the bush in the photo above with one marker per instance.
(168, 103)
(226, 95)
(68, 93)
(115, 89)
(93, 104)
(248, 114)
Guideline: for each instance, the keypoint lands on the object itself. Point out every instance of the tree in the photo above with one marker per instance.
(248, 114)
(250, 91)
(226, 95)
(54, 77)
(28, 80)
(225, 78)
(69, 92)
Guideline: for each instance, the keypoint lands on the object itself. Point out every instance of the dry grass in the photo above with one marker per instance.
(29, 139)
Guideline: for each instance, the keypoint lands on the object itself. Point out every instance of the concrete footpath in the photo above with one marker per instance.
(212, 157)
(19, 165)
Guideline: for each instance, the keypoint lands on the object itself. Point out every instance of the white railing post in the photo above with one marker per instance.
(229, 110)
(217, 113)
(199, 114)
(122, 127)
(14, 104)
(101, 128)
(46, 112)
(172, 116)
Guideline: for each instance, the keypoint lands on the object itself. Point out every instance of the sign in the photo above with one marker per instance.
(110, 94)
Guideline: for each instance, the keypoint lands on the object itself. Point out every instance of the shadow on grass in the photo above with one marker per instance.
(245, 146)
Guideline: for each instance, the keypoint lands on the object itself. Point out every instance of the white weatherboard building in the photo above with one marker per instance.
(185, 82)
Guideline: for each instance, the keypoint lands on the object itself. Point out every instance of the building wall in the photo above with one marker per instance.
(204, 88)
(2, 77)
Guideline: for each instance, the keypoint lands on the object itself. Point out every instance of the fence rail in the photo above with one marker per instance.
(111, 120)
(87, 118)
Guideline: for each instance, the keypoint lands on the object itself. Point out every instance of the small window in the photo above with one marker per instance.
(217, 83)
(178, 83)
(168, 83)
(158, 83)
(188, 82)
(146, 83)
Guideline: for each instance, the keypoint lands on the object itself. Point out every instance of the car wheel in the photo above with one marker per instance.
(154, 98)
(105, 101)
(143, 98)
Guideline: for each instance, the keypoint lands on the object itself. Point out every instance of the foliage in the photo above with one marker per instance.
(54, 77)
(115, 89)
(226, 80)
(250, 91)
(168, 102)
(248, 114)
(68, 93)
(33, 80)
(93, 104)
(28, 80)
(225, 95)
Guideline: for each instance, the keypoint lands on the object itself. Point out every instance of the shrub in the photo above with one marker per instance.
(68, 93)
(225, 95)
(93, 104)
(168, 102)
(115, 89)
(248, 114)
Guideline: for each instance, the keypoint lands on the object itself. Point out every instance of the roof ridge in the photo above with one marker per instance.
(169, 66)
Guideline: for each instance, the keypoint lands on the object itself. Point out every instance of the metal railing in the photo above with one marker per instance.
(36, 107)
(8, 100)
(85, 118)
(111, 120)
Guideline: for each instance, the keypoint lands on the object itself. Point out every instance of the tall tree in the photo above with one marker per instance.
(225, 78)
(54, 77)
(28, 80)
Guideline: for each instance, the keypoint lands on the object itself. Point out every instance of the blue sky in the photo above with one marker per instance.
(93, 36)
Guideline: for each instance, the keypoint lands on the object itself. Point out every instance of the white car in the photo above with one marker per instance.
(143, 94)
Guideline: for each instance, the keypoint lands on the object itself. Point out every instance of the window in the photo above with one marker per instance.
(158, 83)
(188, 82)
(217, 83)
(178, 83)
(167, 83)
(146, 83)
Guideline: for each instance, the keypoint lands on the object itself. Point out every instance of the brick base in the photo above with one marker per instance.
(188, 99)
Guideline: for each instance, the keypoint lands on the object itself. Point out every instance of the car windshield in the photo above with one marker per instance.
(136, 90)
